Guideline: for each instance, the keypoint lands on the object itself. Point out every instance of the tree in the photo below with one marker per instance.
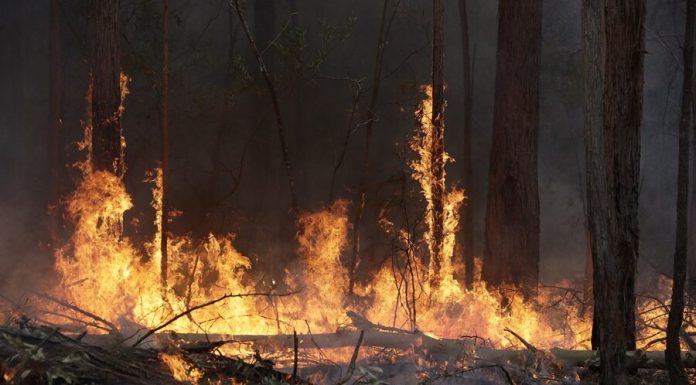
(676, 310)
(264, 20)
(467, 209)
(613, 44)
(438, 149)
(384, 28)
(511, 253)
(55, 124)
(107, 150)
(164, 129)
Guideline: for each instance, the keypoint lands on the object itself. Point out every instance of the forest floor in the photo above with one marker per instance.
(39, 354)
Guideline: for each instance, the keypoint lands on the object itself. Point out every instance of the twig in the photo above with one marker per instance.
(526, 344)
(351, 367)
(111, 326)
(206, 304)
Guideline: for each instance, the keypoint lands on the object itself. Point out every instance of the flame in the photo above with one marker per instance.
(422, 144)
(105, 273)
(322, 238)
(180, 369)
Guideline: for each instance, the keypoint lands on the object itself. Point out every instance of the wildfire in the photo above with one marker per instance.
(104, 273)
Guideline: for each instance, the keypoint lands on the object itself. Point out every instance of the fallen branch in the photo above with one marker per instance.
(206, 304)
(526, 344)
(70, 306)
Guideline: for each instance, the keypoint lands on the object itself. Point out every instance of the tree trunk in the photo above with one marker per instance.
(55, 120)
(511, 254)
(107, 150)
(465, 162)
(613, 46)
(365, 171)
(593, 53)
(273, 94)
(438, 150)
(299, 95)
(676, 311)
(265, 181)
(164, 128)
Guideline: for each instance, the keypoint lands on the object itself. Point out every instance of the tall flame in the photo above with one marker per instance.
(422, 144)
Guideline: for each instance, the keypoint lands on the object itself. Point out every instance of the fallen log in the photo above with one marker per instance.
(635, 359)
(434, 348)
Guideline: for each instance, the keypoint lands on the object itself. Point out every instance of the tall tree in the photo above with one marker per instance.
(465, 162)
(613, 44)
(264, 20)
(164, 129)
(438, 149)
(107, 150)
(55, 124)
(273, 94)
(384, 28)
(511, 253)
(593, 83)
(676, 310)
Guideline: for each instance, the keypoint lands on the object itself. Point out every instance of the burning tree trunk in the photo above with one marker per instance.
(511, 252)
(467, 210)
(55, 117)
(164, 128)
(438, 145)
(614, 47)
(676, 311)
(107, 149)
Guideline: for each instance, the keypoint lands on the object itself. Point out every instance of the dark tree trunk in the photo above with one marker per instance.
(511, 254)
(465, 162)
(164, 128)
(55, 128)
(438, 150)
(299, 94)
(676, 311)
(261, 156)
(107, 151)
(613, 46)
(273, 94)
(365, 171)
(593, 53)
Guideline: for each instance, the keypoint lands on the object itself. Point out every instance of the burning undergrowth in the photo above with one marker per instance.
(412, 317)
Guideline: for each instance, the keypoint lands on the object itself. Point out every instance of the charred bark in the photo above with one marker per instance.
(467, 209)
(676, 311)
(107, 150)
(511, 254)
(614, 46)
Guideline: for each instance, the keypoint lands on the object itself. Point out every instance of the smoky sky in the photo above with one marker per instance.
(226, 169)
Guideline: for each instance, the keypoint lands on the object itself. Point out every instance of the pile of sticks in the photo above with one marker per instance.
(35, 354)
